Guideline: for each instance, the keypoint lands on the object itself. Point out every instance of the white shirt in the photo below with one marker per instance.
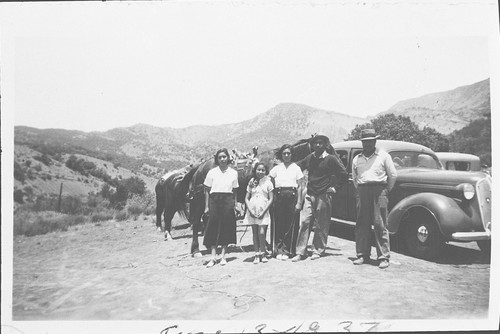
(221, 182)
(286, 177)
(376, 168)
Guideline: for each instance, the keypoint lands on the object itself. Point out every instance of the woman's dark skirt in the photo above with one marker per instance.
(221, 227)
(286, 220)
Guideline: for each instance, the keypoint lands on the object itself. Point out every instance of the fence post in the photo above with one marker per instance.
(59, 202)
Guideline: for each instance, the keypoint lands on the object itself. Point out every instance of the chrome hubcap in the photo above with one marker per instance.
(422, 234)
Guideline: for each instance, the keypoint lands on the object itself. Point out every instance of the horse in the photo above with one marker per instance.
(244, 168)
(171, 191)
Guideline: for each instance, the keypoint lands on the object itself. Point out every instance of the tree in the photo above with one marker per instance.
(475, 138)
(392, 127)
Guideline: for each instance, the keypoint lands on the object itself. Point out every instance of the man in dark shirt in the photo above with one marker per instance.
(326, 174)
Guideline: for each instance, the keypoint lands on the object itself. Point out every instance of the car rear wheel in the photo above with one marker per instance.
(423, 238)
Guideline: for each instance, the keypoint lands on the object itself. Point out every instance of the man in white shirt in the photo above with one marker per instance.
(374, 175)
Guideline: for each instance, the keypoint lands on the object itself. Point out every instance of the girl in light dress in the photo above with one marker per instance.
(258, 200)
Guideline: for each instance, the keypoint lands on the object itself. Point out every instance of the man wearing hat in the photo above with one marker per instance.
(326, 174)
(374, 175)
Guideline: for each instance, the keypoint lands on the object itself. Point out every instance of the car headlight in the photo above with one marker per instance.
(468, 190)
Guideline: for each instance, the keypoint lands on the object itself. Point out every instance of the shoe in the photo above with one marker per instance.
(383, 264)
(279, 257)
(256, 260)
(211, 263)
(223, 262)
(264, 259)
(315, 256)
(360, 260)
(284, 257)
(298, 258)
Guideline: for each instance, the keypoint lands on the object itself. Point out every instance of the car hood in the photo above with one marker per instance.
(438, 176)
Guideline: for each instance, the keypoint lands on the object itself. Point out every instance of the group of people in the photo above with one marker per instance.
(302, 197)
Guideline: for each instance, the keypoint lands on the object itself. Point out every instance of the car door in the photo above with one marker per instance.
(340, 199)
(344, 204)
(351, 196)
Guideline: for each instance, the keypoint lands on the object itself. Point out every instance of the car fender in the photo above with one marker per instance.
(446, 212)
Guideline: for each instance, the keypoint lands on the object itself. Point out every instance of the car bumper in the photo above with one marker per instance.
(471, 236)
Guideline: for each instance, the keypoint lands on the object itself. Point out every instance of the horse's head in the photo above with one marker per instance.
(302, 148)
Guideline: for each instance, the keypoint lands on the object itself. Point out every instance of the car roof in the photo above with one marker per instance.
(455, 156)
(386, 145)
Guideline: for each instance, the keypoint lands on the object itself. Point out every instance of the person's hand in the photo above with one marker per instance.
(206, 211)
(298, 207)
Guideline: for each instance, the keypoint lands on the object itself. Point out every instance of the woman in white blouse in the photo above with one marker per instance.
(221, 184)
(289, 181)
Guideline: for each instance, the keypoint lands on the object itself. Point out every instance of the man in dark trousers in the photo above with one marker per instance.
(326, 174)
(374, 175)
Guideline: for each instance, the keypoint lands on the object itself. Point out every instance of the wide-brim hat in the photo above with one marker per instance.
(368, 134)
(325, 139)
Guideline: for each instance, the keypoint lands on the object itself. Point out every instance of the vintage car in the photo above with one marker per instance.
(459, 161)
(428, 205)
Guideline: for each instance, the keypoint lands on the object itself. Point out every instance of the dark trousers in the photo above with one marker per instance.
(371, 203)
(221, 227)
(286, 221)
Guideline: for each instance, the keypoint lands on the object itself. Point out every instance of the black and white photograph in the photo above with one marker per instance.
(249, 166)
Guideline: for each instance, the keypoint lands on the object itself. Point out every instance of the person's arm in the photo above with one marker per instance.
(269, 202)
(354, 173)
(301, 187)
(207, 196)
(339, 176)
(247, 202)
(391, 173)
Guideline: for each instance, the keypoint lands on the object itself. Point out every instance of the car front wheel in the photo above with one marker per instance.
(423, 238)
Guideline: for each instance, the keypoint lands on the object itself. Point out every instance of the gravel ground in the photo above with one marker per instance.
(127, 271)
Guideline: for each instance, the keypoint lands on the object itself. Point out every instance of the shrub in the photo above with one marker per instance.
(18, 196)
(44, 158)
(121, 215)
(45, 203)
(35, 223)
(145, 203)
(19, 173)
(101, 216)
(71, 205)
(134, 209)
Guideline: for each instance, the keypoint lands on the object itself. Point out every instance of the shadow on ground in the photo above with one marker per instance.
(455, 254)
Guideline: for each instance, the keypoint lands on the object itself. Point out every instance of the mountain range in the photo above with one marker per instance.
(447, 111)
(150, 150)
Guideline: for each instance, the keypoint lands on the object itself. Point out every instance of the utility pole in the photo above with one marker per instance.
(59, 202)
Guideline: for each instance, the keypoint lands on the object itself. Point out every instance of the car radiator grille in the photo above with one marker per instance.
(483, 190)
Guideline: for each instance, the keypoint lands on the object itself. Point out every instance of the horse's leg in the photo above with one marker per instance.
(197, 207)
(160, 206)
(169, 215)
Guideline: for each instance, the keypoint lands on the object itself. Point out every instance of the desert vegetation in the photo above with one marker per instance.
(40, 214)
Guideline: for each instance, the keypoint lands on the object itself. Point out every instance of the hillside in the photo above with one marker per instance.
(447, 111)
(35, 175)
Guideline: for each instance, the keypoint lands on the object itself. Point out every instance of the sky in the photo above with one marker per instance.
(101, 65)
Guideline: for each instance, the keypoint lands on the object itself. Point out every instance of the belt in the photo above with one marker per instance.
(373, 184)
(286, 188)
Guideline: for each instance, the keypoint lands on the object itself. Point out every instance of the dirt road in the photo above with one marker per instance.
(126, 271)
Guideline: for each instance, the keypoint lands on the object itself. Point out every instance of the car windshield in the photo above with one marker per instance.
(408, 159)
